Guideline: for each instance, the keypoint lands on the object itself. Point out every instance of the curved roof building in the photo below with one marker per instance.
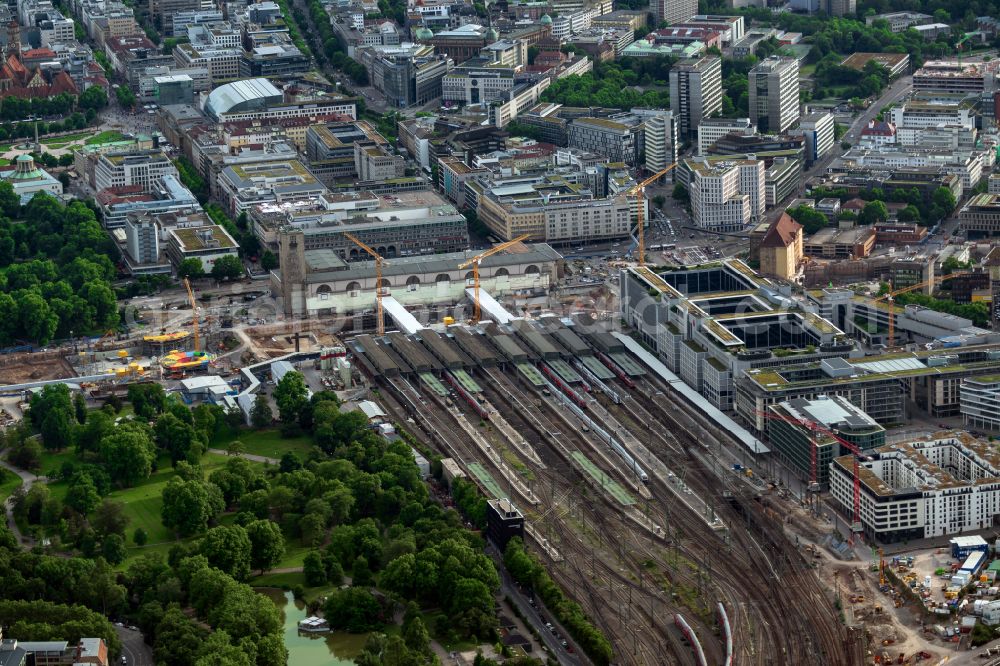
(248, 95)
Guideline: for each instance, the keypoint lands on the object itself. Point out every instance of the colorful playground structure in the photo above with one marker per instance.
(179, 361)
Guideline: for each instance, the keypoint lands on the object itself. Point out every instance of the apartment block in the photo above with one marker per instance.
(774, 94)
(695, 92)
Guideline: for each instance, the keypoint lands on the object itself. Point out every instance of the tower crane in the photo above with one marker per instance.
(814, 429)
(640, 190)
(474, 262)
(194, 315)
(887, 298)
(379, 263)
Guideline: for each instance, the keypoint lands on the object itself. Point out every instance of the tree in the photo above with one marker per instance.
(944, 199)
(190, 268)
(291, 395)
(908, 214)
(147, 400)
(228, 267)
(128, 455)
(811, 219)
(267, 544)
(57, 430)
(188, 506)
(229, 550)
(314, 569)
(140, 537)
(178, 438)
(82, 493)
(261, 415)
(113, 549)
(268, 260)
(354, 610)
(680, 193)
(80, 408)
(235, 448)
(93, 97)
(178, 639)
(659, 200)
(109, 518)
(125, 96)
(873, 213)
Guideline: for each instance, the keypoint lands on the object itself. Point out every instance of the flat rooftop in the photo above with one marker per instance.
(202, 238)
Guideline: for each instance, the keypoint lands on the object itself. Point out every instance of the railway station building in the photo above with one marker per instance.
(319, 282)
(945, 484)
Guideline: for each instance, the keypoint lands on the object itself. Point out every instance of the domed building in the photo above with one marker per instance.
(246, 95)
(492, 35)
(27, 179)
(423, 34)
(545, 20)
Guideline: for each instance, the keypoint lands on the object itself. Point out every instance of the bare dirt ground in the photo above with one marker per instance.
(20, 368)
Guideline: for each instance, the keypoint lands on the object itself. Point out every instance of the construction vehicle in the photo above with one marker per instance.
(379, 263)
(640, 190)
(812, 427)
(887, 298)
(474, 262)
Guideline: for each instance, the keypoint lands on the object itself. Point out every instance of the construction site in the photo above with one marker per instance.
(615, 468)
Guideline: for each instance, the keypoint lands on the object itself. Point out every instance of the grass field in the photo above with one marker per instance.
(53, 462)
(105, 137)
(268, 443)
(8, 483)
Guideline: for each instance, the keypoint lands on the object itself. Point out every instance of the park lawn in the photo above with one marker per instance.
(52, 462)
(285, 581)
(105, 137)
(9, 482)
(268, 443)
(295, 554)
(69, 138)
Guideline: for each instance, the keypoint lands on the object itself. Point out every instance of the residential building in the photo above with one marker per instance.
(141, 168)
(791, 436)
(780, 250)
(673, 11)
(711, 130)
(900, 21)
(618, 141)
(695, 92)
(817, 130)
(207, 244)
(727, 196)
(242, 186)
(774, 94)
(921, 489)
(980, 216)
(980, 402)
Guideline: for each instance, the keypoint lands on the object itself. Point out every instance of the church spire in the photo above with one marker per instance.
(14, 39)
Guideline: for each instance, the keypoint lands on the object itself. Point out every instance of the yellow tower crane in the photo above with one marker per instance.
(887, 298)
(640, 190)
(379, 263)
(194, 315)
(474, 262)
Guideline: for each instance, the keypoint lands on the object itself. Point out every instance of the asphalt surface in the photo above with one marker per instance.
(134, 648)
(27, 479)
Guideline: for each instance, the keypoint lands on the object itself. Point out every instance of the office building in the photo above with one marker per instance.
(817, 130)
(142, 239)
(409, 224)
(659, 138)
(980, 216)
(711, 130)
(921, 489)
(781, 180)
(793, 439)
(477, 81)
(244, 185)
(208, 244)
(618, 141)
(900, 21)
(374, 162)
(954, 76)
(980, 402)
(774, 94)
(141, 168)
(673, 11)
(406, 75)
(727, 196)
(461, 43)
(695, 92)
(330, 148)
(841, 7)
(173, 89)
(258, 99)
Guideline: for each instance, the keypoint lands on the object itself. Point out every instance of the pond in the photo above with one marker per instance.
(336, 648)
